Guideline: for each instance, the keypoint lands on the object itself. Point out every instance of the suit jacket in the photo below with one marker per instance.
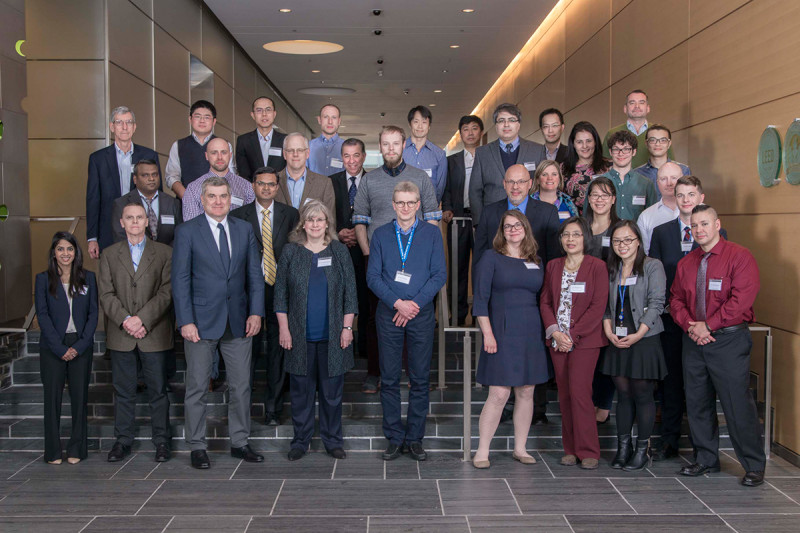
(648, 297)
(486, 181)
(561, 154)
(102, 188)
(317, 187)
(453, 199)
(249, 157)
(204, 294)
(586, 316)
(542, 216)
(145, 292)
(53, 315)
(167, 205)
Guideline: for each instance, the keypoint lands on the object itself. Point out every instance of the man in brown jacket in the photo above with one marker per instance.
(297, 184)
(135, 293)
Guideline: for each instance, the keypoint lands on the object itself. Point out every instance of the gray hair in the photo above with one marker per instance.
(406, 186)
(295, 134)
(310, 209)
(215, 181)
(121, 110)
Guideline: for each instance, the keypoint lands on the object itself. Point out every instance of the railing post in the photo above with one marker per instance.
(454, 275)
(467, 440)
(768, 393)
(442, 335)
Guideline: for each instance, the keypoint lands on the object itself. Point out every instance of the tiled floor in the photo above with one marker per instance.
(363, 493)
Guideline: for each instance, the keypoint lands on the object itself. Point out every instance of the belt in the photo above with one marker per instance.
(729, 329)
(467, 212)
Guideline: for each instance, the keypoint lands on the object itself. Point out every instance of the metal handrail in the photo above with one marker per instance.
(767, 386)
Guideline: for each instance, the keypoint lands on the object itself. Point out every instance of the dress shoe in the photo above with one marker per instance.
(200, 459)
(624, 451)
(417, 452)
(247, 453)
(665, 452)
(698, 469)
(392, 452)
(481, 464)
(162, 452)
(753, 479)
(118, 452)
(271, 419)
(569, 460)
(337, 453)
(540, 418)
(370, 385)
(295, 454)
(590, 463)
(640, 458)
(524, 459)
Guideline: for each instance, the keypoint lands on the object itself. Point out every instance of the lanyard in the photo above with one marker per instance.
(621, 290)
(404, 252)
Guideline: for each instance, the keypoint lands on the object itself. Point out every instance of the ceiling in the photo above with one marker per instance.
(414, 46)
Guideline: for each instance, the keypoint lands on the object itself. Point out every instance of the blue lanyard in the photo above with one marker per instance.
(404, 252)
(621, 290)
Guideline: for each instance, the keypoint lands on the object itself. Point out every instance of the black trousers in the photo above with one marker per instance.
(276, 376)
(123, 376)
(364, 330)
(54, 372)
(465, 243)
(303, 389)
(722, 368)
(673, 394)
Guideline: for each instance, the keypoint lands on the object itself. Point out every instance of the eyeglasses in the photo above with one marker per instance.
(263, 111)
(128, 122)
(270, 185)
(575, 235)
(627, 241)
(660, 140)
(292, 151)
(516, 183)
(202, 118)
(625, 150)
(516, 227)
(599, 196)
(403, 205)
(317, 220)
(507, 121)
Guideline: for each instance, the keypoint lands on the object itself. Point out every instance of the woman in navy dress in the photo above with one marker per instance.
(507, 283)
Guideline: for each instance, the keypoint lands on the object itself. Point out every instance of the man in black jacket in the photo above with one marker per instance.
(264, 145)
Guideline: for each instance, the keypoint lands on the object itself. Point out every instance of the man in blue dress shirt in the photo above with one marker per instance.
(325, 155)
(419, 152)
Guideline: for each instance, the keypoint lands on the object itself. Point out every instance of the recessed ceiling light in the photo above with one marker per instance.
(327, 91)
(315, 72)
(302, 47)
(468, 11)
(455, 46)
(285, 10)
(437, 91)
(431, 105)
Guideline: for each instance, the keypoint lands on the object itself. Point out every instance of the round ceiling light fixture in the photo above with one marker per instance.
(302, 47)
(326, 91)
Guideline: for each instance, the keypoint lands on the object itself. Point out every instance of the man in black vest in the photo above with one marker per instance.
(264, 145)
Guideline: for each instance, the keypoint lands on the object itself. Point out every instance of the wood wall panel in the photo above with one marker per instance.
(785, 393)
(131, 45)
(217, 49)
(242, 121)
(80, 29)
(584, 18)
(182, 19)
(524, 77)
(171, 66)
(127, 90)
(587, 71)
(244, 75)
(550, 50)
(173, 121)
(594, 110)
(618, 5)
(703, 13)
(223, 101)
(550, 93)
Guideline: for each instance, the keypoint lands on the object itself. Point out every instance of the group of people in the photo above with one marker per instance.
(611, 272)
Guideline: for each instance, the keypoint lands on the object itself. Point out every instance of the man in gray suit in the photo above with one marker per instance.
(492, 160)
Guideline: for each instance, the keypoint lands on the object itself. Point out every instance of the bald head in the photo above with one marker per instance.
(517, 183)
(218, 154)
(668, 175)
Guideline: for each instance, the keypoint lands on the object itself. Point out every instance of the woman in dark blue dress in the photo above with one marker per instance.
(506, 286)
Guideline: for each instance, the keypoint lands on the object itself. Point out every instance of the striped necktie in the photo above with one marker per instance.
(268, 255)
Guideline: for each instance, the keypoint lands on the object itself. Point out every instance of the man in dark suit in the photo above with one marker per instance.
(218, 292)
(455, 203)
(271, 222)
(551, 122)
(262, 147)
(492, 160)
(110, 177)
(163, 211)
(345, 187)
(135, 293)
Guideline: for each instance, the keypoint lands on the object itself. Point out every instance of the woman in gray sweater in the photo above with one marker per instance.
(315, 303)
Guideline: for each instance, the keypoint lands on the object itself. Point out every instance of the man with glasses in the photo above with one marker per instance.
(298, 184)
(325, 151)
(493, 160)
(551, 122)
(659, 142)
(262, 147)
(635, 193)
(187, 156)
(110, 177)
(636, 108)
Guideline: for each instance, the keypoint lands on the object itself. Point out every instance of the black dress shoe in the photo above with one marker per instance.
(271, 419)
(295, 454)
(698, 469)
(392, 452)
(753, 479)
(200, 459)
(337, 453)
(246, 453)
(118, 452)
(162, 452)
(540, 418)
(665, 452)
(417, 452)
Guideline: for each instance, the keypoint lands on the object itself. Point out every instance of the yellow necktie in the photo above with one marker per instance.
(268, 255)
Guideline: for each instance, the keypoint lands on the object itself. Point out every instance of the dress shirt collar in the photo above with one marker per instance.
(522, 206)
(266, 138)
(138, 247)
(396, 171)
(632, 128)
(409, 230)
(298, 180)
(410, 142)
(143, 197)
(213, 223)
(121, 152)
(332, 140)
(202, 143)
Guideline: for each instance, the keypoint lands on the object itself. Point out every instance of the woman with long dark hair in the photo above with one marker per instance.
(66, 305)
(584, 161)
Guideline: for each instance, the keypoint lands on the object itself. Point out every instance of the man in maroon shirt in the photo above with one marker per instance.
(712, 301)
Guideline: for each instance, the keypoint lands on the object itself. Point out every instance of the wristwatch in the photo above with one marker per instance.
(348, 327)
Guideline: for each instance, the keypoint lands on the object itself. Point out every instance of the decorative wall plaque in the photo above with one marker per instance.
(769, 157)
(791, 153)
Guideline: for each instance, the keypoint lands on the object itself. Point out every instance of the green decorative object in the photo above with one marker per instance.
(3, 212)
(769, 157)
(1, 129)
(791, 153)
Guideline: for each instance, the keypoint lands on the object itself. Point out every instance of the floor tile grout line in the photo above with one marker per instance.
(704, 503)
(439, 490)
(621, 496)
(168, 523)
(419, 474)
(236, 469)
(87, 524)
(469, 527)
(248, 524)
(148, 498)
(276, 498)
(333, 472)
(513, 496)
(545, 463)
(384, 470)
(133, 456)
(568, 524)
(368, 519)
(786, 495)
(153, 470)
(26, 466)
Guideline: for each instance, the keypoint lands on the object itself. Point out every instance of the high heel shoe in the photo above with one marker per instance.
(640, 458)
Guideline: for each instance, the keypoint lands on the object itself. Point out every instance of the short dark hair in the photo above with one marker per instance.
(266, 170)
(423, 111)
(690, 181)
(508, 108)
(271, 101)
(352, 141)
(658, 127)
(622, 137)
(203, 104)
(700, 208)
(143, 162)
(550, 111)
(469, 119)
(585, 229)
(635, 91)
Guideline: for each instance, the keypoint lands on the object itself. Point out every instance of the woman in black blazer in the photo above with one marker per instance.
(66, 304)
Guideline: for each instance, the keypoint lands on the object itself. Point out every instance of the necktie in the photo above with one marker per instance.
(508, 148)
(268, 254)
(224, 251)
(700, 289)
(352, 190)
(152, 221)
(687, 236)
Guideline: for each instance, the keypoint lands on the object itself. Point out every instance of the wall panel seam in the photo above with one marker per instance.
(723, 17)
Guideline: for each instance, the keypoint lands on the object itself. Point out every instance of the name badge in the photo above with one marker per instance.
(578, 286)
(275, 151)
(639, 200)
(324, 261)
(686, 246)
(429, 172)
(402, 277)
(84, 290)
(530, 265)
(630, 281)
(336, 163)
(167, 219)
(530, 167)
(606, 242)
(621, 332)
(563, 215)
(235, 200)
(715, 285)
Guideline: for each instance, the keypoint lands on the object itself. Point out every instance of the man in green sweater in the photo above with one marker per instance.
(636, 109)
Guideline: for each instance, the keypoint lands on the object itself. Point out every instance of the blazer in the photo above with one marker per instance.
(145, 292)
(291, 297)
(453, 199)
(648, 297)
(486, 180)
(561, 153)
(542, 216)
(317, 187)
(102, 188)
(588, 308)
(53, 314)
(167, 205)
(203, 293)
(341, 194)
(249, 157)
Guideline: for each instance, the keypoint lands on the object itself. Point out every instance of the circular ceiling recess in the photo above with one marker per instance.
(326, 91)
(303, 47)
